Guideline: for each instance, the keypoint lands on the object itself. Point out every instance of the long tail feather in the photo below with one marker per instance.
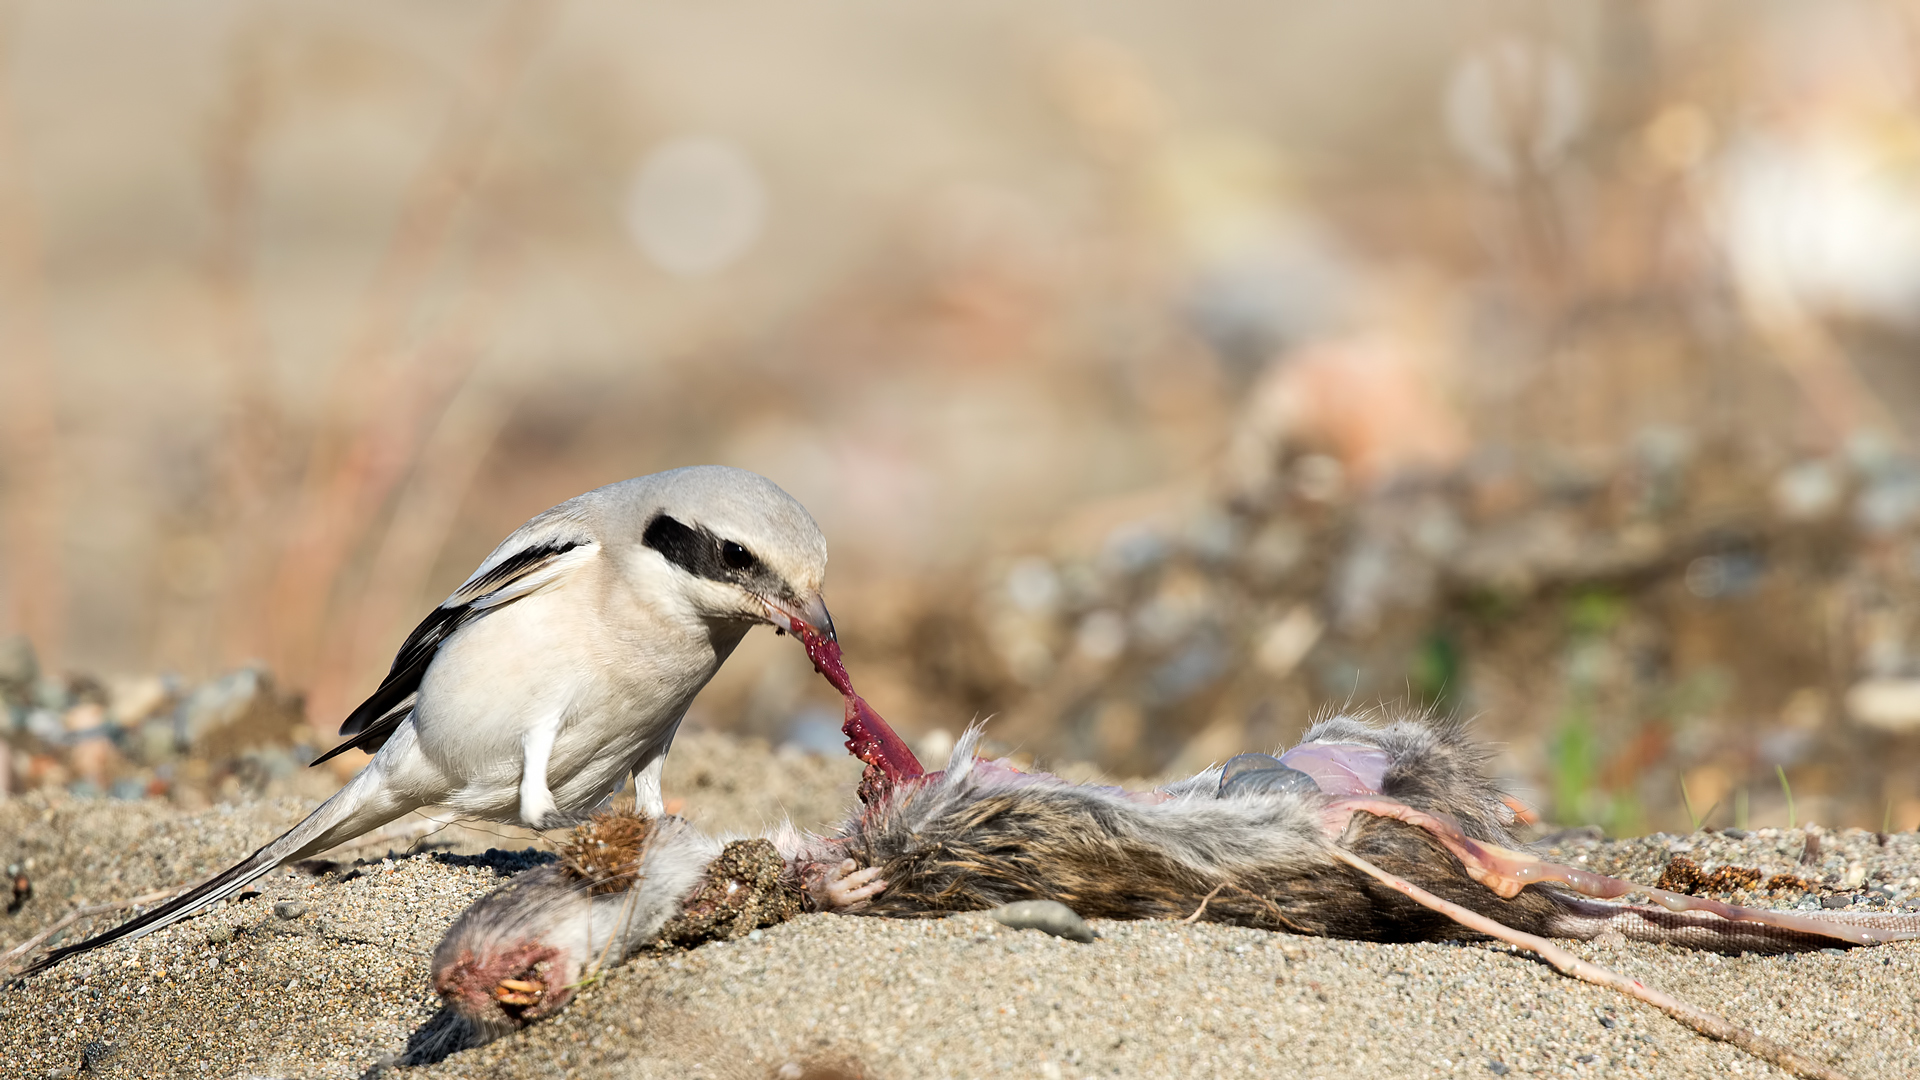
(365, 803)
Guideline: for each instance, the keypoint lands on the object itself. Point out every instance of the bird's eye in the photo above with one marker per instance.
(736, 556)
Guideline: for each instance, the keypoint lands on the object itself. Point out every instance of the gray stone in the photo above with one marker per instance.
(216, 704)
(1046, 916)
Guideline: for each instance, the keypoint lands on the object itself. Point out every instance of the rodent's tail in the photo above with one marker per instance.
(365, 803)
(1754, 931)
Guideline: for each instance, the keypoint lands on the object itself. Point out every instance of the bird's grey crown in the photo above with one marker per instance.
(689, 514)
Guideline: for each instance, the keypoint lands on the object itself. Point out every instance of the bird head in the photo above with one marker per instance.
(736, 547)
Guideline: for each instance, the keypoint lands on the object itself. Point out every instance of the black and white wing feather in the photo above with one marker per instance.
(535, 556)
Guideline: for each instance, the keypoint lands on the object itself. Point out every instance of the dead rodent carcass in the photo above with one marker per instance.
(1378, 832)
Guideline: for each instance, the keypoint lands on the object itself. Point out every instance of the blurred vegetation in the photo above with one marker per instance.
(1163, 375)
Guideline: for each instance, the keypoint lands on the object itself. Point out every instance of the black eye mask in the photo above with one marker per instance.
(701, 553)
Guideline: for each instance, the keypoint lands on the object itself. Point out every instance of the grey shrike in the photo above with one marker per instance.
(562, 665)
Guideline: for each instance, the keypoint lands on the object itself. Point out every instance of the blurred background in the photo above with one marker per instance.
(1163, 375)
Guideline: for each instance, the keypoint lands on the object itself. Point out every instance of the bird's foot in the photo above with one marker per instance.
(842, 888)
(539, 811)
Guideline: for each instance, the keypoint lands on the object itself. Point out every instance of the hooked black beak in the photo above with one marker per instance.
(812, 612)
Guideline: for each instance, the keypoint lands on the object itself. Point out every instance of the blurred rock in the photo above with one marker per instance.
(1808, 491)
(1886, 704)
(86, 718)
(236, 711)
(129, 788)
(149, 736)
(95, 759)
(46, 725)
(19, 670)
(1619, 627)
(154, 741)
(134, 700)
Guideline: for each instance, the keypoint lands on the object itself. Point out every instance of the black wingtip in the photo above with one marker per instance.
(370, 739)
(334, 753)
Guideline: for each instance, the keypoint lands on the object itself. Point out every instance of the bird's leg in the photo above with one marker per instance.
(1505, 872)
(647, 801)
(537, 809)
(1710, 1024)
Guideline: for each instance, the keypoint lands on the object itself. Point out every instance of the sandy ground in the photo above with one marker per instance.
(324, 973)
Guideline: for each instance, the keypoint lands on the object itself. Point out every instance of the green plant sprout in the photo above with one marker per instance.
(1788, 788)
(1697, 819)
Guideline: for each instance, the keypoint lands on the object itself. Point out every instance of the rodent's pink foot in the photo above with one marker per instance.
(846, 886)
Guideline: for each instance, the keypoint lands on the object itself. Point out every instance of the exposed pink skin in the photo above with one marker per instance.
(1340, 768)
(869, 737)
(471, 985)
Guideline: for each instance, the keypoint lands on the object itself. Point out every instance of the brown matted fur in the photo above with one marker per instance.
(1259, 861)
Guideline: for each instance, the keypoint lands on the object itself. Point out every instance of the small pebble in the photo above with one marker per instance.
(1734, 834)
(220, 935)
(289, 909)
(1839, 901)
(96, 1054)
(1498, 1067)
(1048, 916)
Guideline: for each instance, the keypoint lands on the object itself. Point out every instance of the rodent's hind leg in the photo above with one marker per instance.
(840, 887)
(1505, 872)
(1707, 1023)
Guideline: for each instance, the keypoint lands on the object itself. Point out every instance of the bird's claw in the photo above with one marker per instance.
(847, 886)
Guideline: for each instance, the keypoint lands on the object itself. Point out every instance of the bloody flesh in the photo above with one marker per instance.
(869, 737)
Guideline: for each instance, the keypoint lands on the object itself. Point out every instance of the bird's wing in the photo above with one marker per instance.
(540, 556)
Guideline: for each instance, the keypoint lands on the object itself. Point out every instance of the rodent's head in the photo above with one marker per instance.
(500, 990)
(518, 953)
